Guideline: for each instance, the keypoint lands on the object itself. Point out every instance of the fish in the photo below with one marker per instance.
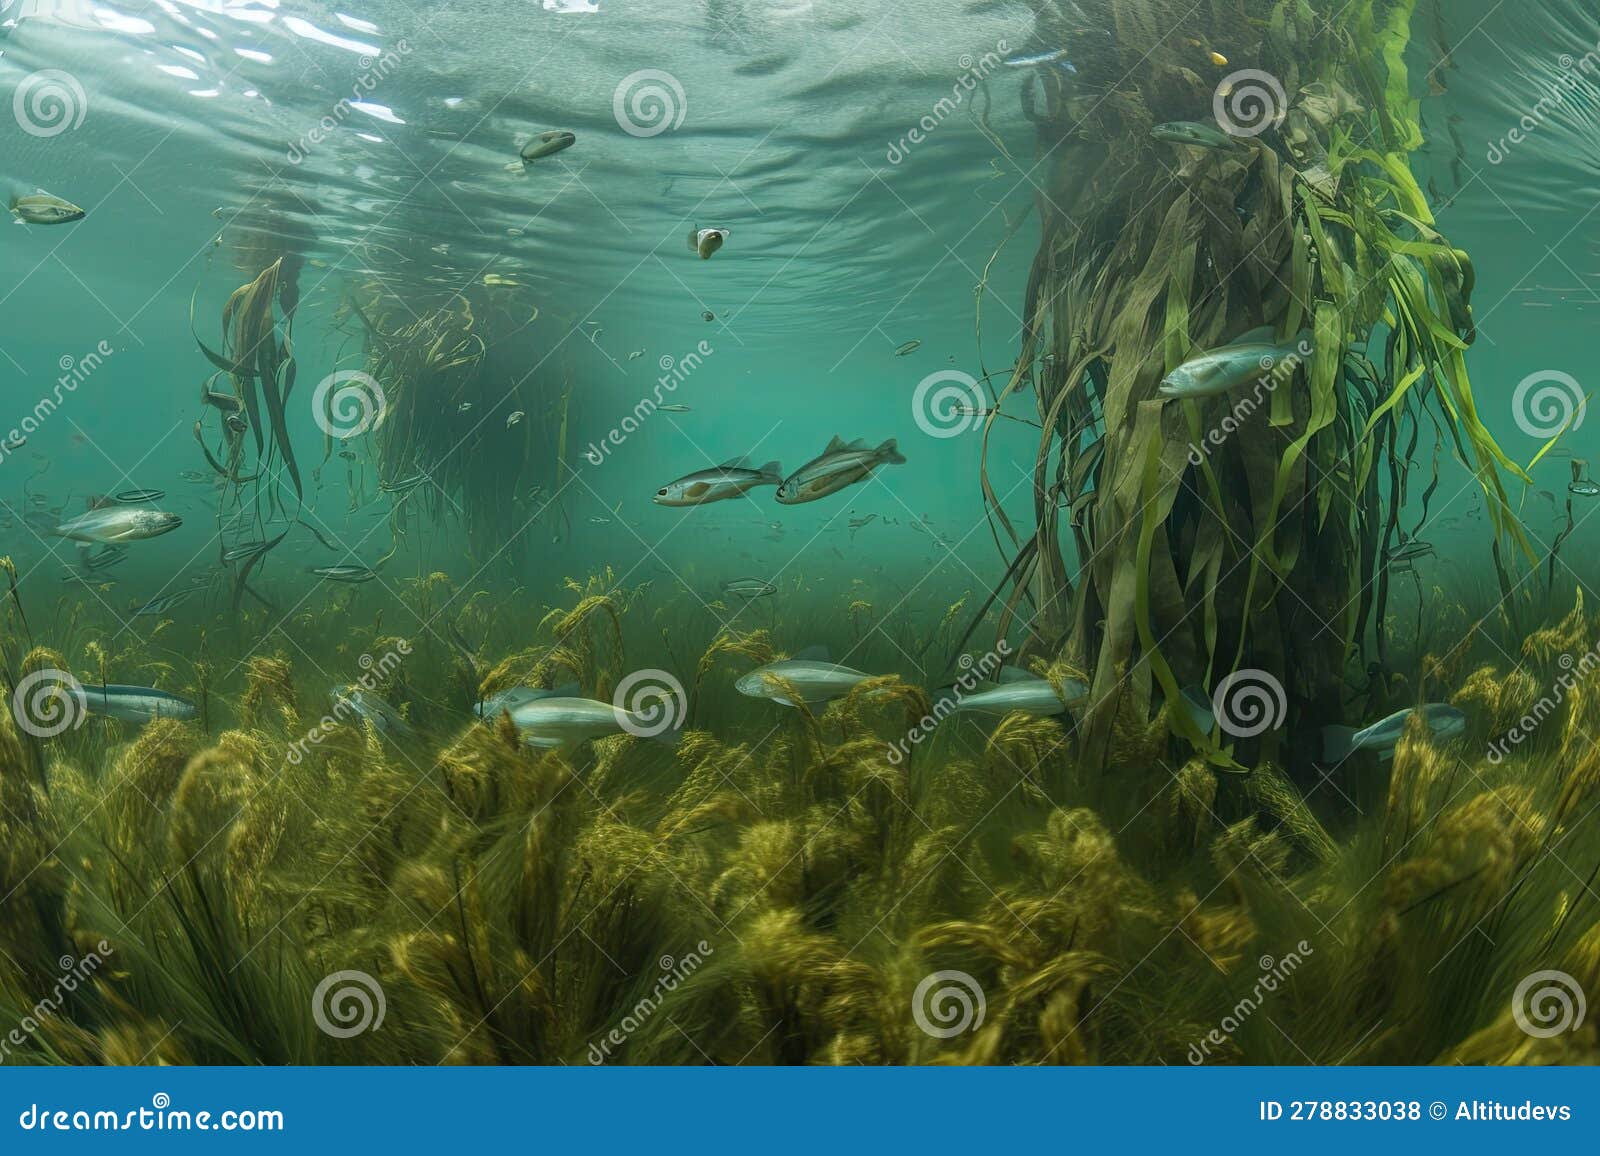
(133, 703)
(42, 208)
(1049, 56)
(636, 355)
(118, 524)
(1252, 355)
(1339, 743)
(243, 550)
(464, 407)
(1189, 132)
(1412, 550)
(568, 722)
(505, 701)
(1584, 488)
(674, 407)
(164, 602)
(136, 497)
(599, 520)
(102, 558)
(403, 485)
(749, 587)
(808, 674)
(857, 523)
(838, 466)
(909, 347)
(706, 241)
(194, 476)
(1012, 689)
(15, 442)
(708, 316)
(513, 418)
(719, 483)
(547, 144)
(370, 708)
(346, 573)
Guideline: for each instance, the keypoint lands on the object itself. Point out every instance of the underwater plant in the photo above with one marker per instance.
(1266, 203)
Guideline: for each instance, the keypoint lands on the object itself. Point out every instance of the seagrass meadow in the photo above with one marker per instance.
(1082, 558)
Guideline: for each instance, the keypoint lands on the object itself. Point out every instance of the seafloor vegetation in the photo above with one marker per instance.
(517, 906)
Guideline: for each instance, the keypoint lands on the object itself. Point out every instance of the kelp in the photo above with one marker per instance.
(1251, 530)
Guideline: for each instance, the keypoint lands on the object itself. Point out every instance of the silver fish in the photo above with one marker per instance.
(1412, 550)
(1339, 743)
(370, 708)
(1188, 132)
(1584, 488)
(749, 587)
(44, 209)
(134, 703)
(547, 144)
(403, 485)
(243, 550)
(1252, 356)
(565, 723)
(675, 407)
(118, 524)
(345, 573)
(15, 441)
(1013, 689)
(729, 480)
(809, 674)
(908, 348)
(138, 497)
(513, 418)
(164, 602)
(835, 468)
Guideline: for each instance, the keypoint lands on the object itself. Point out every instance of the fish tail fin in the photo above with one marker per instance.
(773, 472)
(1338, 743)
(889, 452)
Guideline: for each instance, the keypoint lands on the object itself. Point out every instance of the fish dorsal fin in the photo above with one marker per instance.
(858, 444)
(738, 463)
(1015, 674)
(812, 653)
(772, 470)
(835, 445)
(1262, 335)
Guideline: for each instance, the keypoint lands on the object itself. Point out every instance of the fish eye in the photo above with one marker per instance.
(662, 492)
